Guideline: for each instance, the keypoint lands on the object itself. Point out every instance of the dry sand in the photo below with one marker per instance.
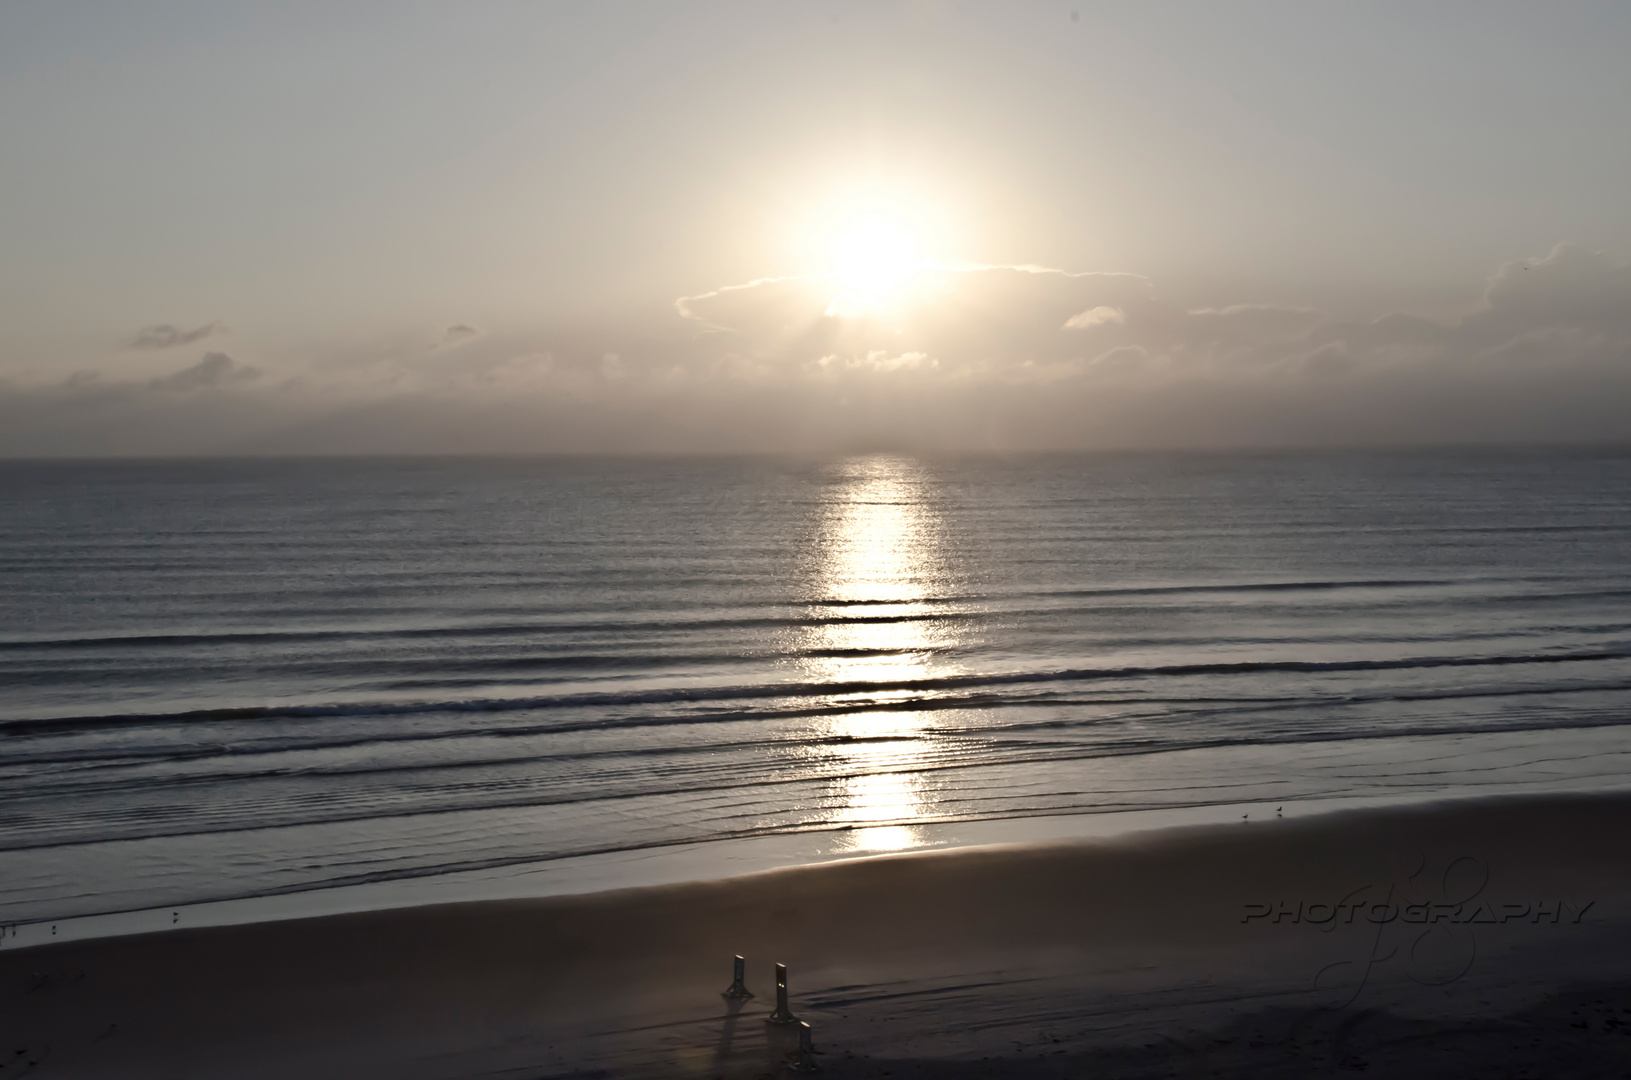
(1400, 942)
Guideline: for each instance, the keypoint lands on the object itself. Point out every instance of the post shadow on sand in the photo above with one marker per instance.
(736, 996)
(727, 1033)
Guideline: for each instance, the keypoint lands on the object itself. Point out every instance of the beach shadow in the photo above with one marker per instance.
(756, 1049)
(727, 1035)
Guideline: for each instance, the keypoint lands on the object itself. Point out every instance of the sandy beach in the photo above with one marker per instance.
(1470, 938)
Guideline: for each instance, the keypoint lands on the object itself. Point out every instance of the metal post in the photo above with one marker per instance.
(738, 990)
(782, 1015)
(804, 1057)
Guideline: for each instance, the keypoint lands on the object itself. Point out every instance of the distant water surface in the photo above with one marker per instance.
(237, 678)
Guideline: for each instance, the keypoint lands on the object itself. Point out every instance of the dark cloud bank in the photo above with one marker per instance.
(982, 358)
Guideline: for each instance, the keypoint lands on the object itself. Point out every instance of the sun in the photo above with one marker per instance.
(874, 254)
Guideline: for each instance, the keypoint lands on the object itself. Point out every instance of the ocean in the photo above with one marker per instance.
(249, 678)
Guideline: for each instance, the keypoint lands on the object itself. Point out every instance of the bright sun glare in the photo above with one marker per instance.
(875, 254)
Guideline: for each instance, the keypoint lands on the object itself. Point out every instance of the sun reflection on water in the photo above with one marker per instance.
(880, 582)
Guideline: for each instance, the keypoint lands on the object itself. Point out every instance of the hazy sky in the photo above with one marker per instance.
(811, 225)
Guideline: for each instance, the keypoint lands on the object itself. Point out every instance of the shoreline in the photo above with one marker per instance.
(1592, 756)
(675, 864)
(946, 957)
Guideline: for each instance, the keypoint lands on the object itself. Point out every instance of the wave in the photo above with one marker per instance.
(992, 756)
(1184, 708)
(568, 625)
(721, 694)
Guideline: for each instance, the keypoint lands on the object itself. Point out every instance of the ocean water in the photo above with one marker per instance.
(225, 679)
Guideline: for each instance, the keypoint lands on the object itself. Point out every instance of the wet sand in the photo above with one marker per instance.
(1488, 938)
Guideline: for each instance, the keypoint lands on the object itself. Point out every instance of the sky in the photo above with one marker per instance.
(811, 226)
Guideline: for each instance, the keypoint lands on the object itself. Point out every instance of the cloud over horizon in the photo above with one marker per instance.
(968, 359)
(456, 335)
(215, 369)
(169, 336)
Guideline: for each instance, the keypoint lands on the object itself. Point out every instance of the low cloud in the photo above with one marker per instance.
(968, 359)
(458, 334)
(1099, 316)
(168, 336)
(877, 360)
(215, 370)
(989, 318)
